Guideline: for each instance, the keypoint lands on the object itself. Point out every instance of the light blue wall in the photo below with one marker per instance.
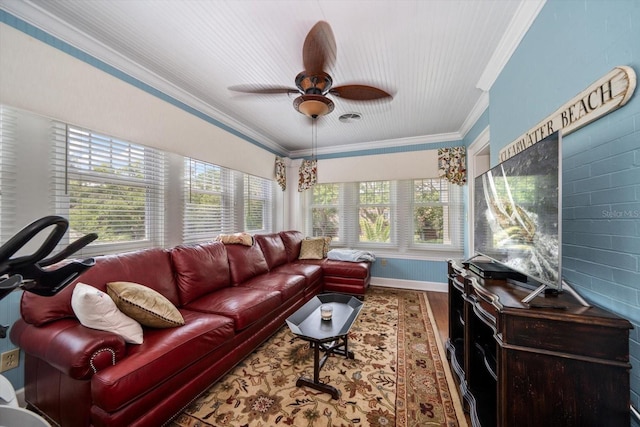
(410, 269)
(9, 313)
(570, 45)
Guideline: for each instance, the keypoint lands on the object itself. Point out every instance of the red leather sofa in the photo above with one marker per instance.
(232, 298)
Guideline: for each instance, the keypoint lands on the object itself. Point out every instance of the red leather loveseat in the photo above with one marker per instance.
(232, 298)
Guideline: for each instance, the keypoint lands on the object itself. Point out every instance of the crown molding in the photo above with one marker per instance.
(476, 112)
(373, 146)
(518, 27)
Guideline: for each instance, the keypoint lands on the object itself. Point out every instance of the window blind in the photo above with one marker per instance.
(325, 211)
(405, 216)
(209, 200)
(8, 120)
(109, 187)
(220, 200)
(258, 204)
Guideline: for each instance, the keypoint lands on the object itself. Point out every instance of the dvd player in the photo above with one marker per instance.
(493, 270)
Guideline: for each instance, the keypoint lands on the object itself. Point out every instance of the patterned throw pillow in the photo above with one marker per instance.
(312, 249)
(94, 309)
(326, 243)
(145, 305)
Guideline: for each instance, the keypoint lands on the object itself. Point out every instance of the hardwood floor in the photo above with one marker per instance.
(439, 302)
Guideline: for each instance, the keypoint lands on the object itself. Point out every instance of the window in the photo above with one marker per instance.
(325, 211)
(431, 200)
(221, 200)
(398, 216)
(208, 208)
(257, 204)
(374, 212)
(109, 187)
(7, 173)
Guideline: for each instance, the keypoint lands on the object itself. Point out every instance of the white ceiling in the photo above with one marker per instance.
(438, 58)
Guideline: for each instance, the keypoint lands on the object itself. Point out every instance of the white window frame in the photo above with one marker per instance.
(390, 206)
(452, 210)
(154, 169)
(402, 224)
(260, 189)
(235, 197)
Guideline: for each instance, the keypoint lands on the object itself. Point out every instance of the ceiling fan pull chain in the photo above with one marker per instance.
(314, 139)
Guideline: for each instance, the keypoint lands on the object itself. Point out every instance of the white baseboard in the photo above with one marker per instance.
(414, 285)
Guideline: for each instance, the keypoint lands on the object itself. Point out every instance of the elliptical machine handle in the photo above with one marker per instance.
(35, 278)
(24, 236)
(71, 249)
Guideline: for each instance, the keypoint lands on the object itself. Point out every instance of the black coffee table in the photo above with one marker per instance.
(328, 336)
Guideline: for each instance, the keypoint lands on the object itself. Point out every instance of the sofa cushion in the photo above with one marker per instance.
(356, 270)
(164, 353)
(200, 269)
(245, 262)
(242, 304)
(157, 274)
(311, 272)
(144, 305)
(273, 249)
(287, 284)
(96, 310)
(292, 240)
(312, 249)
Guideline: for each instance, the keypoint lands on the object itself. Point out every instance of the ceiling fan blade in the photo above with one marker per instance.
(359, 92)
(264, 89)
(319, 49)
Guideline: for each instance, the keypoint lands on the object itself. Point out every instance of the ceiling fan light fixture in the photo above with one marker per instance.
(313, 106)
(315, 84)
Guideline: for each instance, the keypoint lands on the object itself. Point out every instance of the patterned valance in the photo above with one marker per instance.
(281, 173)
(308, 175)
(452, 164)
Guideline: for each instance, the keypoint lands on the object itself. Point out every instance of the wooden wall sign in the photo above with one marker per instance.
(605, 95)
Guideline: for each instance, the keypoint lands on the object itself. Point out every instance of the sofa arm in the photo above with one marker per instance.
(73, 349)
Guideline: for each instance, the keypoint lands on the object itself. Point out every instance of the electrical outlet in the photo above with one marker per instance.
(383, 262)
(10, 359)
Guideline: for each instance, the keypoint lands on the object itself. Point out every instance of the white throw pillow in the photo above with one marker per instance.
(96, 310)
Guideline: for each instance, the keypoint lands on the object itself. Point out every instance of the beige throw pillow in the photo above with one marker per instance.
(312, 249)
(326, 243)
(96, 310)
(145, 305)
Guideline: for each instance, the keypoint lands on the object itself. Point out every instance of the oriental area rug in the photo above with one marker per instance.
(399, 377)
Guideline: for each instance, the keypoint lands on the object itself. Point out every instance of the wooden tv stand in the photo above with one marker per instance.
(551, 363)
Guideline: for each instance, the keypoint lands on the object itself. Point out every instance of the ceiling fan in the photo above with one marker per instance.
(313, 84)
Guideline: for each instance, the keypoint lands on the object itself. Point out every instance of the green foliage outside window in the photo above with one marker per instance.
(428, 215)
(374, 226)
(374, 212)
(324, 213)
(413, 214)
(117, 212)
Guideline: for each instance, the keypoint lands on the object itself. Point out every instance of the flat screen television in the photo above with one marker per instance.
(518, 213)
